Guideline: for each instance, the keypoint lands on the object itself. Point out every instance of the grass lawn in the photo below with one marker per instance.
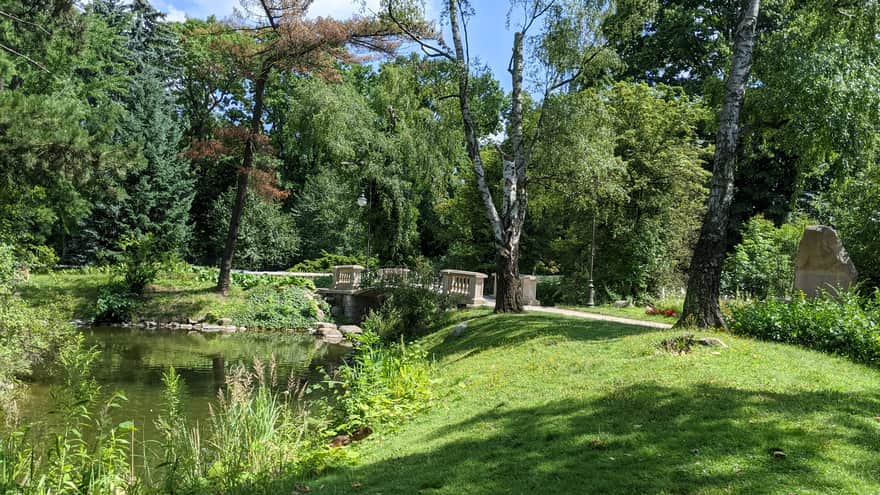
(542, 404)
(174, 296)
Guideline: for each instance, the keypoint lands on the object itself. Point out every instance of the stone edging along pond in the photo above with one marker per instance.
(328, 332)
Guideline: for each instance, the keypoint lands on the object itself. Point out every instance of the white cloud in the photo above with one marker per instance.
(342, 9)
(174, 15)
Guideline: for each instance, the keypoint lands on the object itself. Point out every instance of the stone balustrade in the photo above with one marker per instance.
(393, 276)
(467, 284)
(347, 277)
(529, 287)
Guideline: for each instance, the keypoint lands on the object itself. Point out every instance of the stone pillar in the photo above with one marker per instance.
(529, 287)
(822, 263)
(466, 284)
(347, 277)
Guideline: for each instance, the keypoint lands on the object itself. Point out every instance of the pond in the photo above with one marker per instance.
(133, 361)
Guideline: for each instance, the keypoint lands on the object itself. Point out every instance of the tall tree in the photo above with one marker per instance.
(701, 305)
(156, 198)
(569, 45)
(284, 39)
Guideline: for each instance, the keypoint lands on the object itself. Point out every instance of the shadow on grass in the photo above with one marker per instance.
(645, 438)
(488, 331)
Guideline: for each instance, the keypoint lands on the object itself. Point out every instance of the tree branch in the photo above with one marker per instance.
(34, 24)
(430, 50)
(22, 55)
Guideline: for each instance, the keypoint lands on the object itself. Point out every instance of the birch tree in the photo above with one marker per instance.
(701, 305)
(566, 39)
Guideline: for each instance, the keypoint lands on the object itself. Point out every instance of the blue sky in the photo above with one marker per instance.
(490, 40)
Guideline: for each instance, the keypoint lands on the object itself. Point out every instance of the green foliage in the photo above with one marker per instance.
(29, 336)
(848, 326)
(281, 307)
(327, 261)
(412, 307)
(267, 237)
(178, 462)
(257, 436)
(246, 281)
(139, 261)
(115, 304)
(9, 269)
(383, 385)
(90, 454)
(142, 259)
(852, 206)
(37, 258)
(630, 158)
(328, 216)
(762, 264)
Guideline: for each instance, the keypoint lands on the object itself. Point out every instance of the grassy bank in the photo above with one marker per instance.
(175, 296)
(544, 404)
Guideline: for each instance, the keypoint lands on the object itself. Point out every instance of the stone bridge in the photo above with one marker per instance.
(354, 291)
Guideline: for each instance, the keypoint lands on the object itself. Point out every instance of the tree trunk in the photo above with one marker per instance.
(508, 292)
(701, 306)
(506, 225)
(250, 150)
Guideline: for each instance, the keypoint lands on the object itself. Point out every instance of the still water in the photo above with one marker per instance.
(133, 360)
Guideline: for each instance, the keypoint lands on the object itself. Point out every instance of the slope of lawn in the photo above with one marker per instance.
(540, 404)
(173, 297)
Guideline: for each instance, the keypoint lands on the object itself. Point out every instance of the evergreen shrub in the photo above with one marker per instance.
(846, 326)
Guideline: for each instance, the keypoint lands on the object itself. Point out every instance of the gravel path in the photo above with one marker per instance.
(590, 316)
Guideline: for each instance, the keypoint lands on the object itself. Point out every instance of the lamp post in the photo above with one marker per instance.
(363, 202)
(591, 291)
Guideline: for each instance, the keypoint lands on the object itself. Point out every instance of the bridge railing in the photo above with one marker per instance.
(347, 277)
(469, 285)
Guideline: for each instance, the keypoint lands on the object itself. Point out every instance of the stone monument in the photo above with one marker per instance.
(822, 263)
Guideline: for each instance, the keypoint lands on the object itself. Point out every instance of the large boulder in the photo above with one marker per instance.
(822, 263)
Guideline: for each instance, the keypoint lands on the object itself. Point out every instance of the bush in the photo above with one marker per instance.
(410, 312)
(37, 258)
(549, 292)
(327, 261)
(115, 304)
(9, 269)
(284, 307)
(246, 281)
(142, 258)
(383, 385)
(847, 326)
(762, 264)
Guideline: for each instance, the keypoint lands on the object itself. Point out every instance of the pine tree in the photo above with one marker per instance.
(155, 199)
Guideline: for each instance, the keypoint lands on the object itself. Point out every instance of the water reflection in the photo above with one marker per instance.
(133, 361)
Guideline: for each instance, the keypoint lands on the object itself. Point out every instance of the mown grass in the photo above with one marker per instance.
(173, 297)
(539, 403)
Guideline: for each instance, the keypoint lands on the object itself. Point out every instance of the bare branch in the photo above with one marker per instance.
(428, 49)
(536, 14)
(22, 55)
